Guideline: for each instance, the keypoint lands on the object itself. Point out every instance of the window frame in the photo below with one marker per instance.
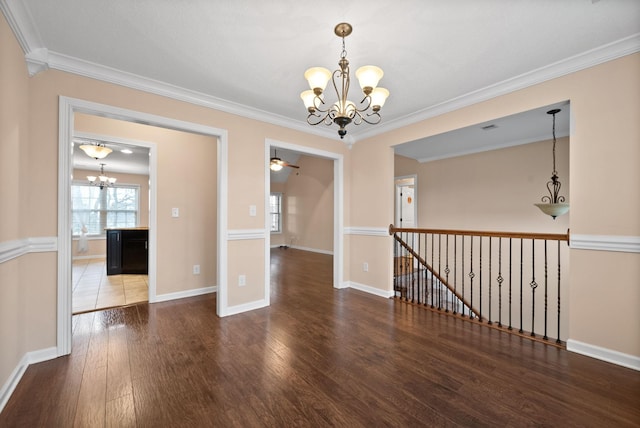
(82, 183)
(277, 213)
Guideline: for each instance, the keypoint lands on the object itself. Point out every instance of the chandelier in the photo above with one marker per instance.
(554, 204)
(96, 150)
(102, 180)
(343, 111)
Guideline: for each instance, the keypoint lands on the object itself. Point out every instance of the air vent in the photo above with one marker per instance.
(489, 127)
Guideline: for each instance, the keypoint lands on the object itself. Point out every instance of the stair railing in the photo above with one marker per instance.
(488, 277)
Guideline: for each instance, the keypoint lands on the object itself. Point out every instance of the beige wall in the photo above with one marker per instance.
(603, 167)
(493, 190)
(308, 205)
(30, 143)
(186, 179)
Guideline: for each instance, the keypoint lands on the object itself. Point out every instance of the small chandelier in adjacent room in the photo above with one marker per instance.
(102, 180)
(96, 150)
(343, 111)
(553, 204)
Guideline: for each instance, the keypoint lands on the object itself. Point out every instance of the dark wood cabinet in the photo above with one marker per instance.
(127, 251)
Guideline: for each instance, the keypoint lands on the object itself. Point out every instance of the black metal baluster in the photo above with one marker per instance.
(521, 282)
(433, 238)
(446, 271)
(533, 285)
(462, 275)
(545, 291)
(510, 281)
(490, 258)
(558, 339)
(480, 278)
(471, 275)
(439, 272)
(455, 269)
(499, 280)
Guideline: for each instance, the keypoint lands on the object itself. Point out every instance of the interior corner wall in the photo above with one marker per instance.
(187, 180)
(308, 205)
(604, 150)
(493, 190)
(23, 307)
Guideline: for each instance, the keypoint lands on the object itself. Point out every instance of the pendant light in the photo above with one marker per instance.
(553, 205)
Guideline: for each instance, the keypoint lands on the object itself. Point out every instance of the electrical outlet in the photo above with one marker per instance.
(242, 280)
(253, 211)
(196, 269)
(365, 267)
(175, 212)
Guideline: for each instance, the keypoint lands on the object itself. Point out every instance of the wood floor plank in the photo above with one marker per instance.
(316, 357)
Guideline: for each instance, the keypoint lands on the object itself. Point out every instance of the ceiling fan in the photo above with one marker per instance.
(277, 164)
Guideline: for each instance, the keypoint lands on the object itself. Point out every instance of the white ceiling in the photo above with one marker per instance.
(136, 162)
(248, 57)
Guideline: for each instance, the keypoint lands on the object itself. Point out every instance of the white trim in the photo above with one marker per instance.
(627, 244)
(67, 108)
(368, 289)
(95, 256)
(32, 357)
(186, 293)
(338, 207)
(19, 247)
(242, 234)
(581, 61)
(40, 58)
(366, 231)
(312, 250)
(604, 354)
(245, 307)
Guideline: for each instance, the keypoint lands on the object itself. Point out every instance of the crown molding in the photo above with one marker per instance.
(590, 58)
(39, 59)
(21, 22)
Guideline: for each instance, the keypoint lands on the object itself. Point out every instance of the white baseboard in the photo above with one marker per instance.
(28, 358)
(186, 293)
(604, 354)
(95, 256)
(368, 289)
(246, 307)
(313, 250)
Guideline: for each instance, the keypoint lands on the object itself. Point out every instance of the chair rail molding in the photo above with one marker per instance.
(19, 247)
(619, 243)
(367, 231)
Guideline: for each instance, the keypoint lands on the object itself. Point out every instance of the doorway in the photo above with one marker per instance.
(406, 203)
(109, 198)
(338, 222)
(68, 107)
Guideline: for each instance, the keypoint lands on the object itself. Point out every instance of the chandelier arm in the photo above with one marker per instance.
(316, 119)
(317, 102)
(376, 118)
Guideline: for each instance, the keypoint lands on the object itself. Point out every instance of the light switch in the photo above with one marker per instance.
(252, 210)
(175, 212)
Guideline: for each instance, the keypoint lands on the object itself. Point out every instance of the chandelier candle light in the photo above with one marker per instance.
(102, 180)
(554, 204)
(343, 111)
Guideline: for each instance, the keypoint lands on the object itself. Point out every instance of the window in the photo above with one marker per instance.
(98, 209)
(275, 202)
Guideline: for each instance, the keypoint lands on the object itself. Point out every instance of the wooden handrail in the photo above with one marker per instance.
(516, 235)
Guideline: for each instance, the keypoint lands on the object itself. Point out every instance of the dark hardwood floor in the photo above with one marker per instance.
(317, 357)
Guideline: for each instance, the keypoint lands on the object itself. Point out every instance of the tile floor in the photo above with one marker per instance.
(93, 289)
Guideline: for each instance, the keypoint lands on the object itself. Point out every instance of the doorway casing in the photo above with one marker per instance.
(67, 108)
(338, 209)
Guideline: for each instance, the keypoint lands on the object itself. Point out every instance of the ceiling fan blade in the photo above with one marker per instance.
(290, 165)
